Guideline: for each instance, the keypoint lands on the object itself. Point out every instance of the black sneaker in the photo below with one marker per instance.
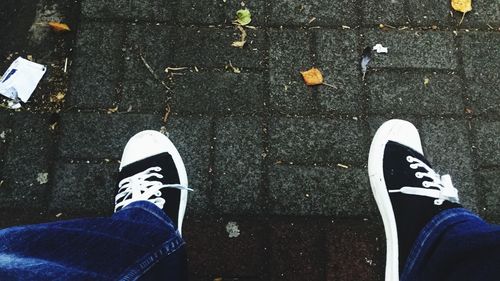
(151, 169)
(407, 190)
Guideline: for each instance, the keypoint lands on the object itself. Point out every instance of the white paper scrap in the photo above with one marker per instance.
(380, 49)
(20, 80)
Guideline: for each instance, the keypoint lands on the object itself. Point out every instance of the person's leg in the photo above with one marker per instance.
(411, 197)
(455, 245)
(143, 237)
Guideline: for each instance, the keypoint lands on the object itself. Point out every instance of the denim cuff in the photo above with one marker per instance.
(428, 236)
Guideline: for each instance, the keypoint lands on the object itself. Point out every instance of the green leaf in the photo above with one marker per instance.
(243, 16)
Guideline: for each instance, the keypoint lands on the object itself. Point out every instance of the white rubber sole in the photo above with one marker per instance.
(148, 143)
(405, 133)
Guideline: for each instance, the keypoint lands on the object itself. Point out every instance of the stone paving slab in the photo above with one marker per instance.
(97, 66)
(216, 43)
(448, 147)
(481, 64)
(488, 183)
(100, 135)
(418, 93)
(314, 140)
(488, 147)
(227, 257)
(413, 49)
(219, 92)
(385, 12)
(321, 12)
(84, 187)
(336, 191)
(261, 149)
(237, 166)
(156, 10)
(26, 170)
(191, 136)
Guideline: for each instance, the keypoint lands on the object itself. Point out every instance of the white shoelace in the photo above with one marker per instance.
(445, 190)
(138, 187)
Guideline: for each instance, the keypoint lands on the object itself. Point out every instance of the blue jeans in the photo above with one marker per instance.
(138, 242)
(455, 245)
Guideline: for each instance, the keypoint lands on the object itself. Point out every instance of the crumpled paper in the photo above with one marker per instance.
(20, 81)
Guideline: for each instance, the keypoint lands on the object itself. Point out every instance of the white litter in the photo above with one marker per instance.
(380, 49)
(232, 229)
(20, 80)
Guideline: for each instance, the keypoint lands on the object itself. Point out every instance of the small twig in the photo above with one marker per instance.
(150, 69)
(167, 113)
(329, 85)
(461, 20)
(66, 65)
(175, 68)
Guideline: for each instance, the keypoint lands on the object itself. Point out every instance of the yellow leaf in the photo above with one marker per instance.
(312, 77)
(463, 6)
(60, 27)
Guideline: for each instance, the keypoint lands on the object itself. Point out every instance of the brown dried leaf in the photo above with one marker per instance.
(59, 27)
(312, 77)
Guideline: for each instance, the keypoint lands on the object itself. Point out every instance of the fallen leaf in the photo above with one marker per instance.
(463, 6)
(366, 57)
(243, 38)
(312, 77)
(59, 27)
(468, 110)
(243, 16)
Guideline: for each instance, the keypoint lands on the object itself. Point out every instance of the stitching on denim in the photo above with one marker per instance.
(147, 261)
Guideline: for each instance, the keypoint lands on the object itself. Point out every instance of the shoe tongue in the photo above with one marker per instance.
(162, 160)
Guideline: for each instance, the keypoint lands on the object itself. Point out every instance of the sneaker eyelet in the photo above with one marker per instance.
(409, 158)
(419, 175)
(425, 184)
(413, 166)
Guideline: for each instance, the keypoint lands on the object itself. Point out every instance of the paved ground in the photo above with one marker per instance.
(261, 148)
